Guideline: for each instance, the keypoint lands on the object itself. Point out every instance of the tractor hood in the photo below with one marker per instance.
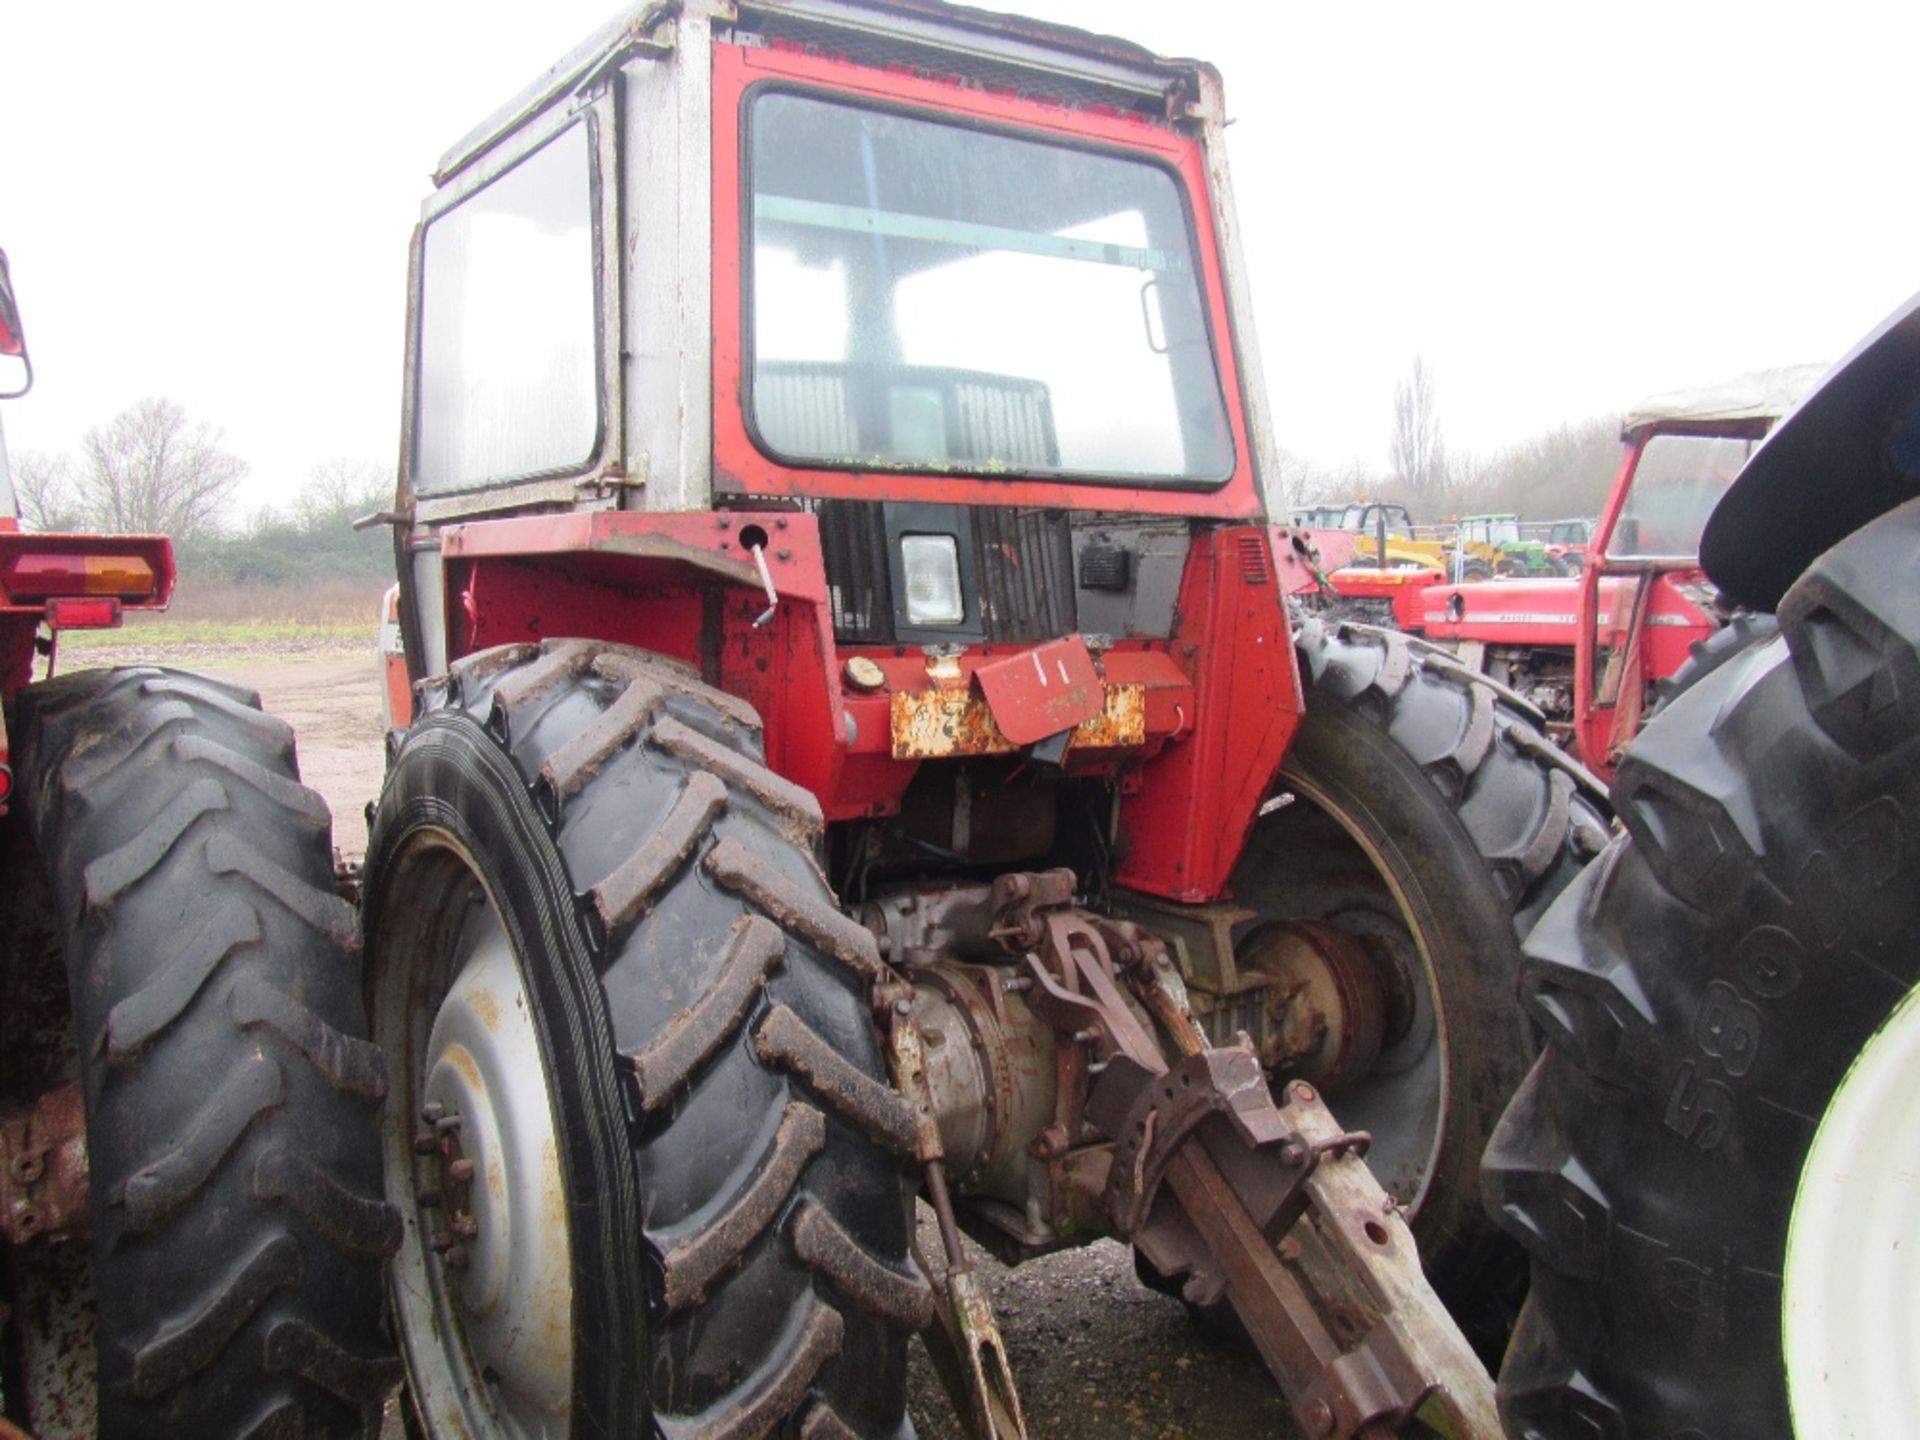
(1849, 452)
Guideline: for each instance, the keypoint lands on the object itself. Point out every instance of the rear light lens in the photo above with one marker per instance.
(42, 577)
(72, 614)
(931, 564)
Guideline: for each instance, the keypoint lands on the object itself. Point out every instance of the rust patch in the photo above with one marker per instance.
(784, 1039)
(939, 724)
(1121, 723)
(43, 1169)
(697, 1261)
(826, 1248)
(934, 724)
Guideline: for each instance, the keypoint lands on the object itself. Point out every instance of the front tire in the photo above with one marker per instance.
(230, 1101)
(1709, 1163)
(599, 942)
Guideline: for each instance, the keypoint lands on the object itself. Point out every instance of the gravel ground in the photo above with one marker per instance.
(1097, 1356)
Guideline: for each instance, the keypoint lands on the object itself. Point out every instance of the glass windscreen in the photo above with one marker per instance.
(927, 296)
(509, 359)
(1676, 483)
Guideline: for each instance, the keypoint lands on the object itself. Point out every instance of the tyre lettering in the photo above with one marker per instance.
(1727, 1028)
(1698, 1110)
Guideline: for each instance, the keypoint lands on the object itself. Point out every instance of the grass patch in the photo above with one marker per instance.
(221, 613)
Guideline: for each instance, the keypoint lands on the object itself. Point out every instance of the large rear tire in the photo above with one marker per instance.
(231, 1105)
(640, 1129)
(1425, 813)
(1711, 1164)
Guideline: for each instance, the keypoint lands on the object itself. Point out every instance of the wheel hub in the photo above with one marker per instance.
(493, 1207)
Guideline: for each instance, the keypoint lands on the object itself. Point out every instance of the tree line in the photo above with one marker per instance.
(152, 469)
(1556, 474)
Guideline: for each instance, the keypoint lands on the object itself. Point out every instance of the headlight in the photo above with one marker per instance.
(932, 567)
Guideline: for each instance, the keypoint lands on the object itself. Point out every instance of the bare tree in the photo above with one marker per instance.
(150, 470)
(342, 489)
(1418, 452)
(45, 488)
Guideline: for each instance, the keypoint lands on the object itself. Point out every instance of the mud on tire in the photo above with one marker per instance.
(231, 1104)
(729, 1147)
(1705, 988)
(1427, 798)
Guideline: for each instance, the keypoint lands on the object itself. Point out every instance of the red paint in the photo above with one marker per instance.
(1042, 691)
(1185, 824)
(738, 465)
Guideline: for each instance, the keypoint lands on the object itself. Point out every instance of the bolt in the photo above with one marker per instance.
(1086, 1036)
(780, 524)
(461, 1170)
(427, 1196)
(1302, 1091)
(425, 1144)
(1319, 1416)
(902, 1007)
(1016, 984)
(442, 1243)
(432, 1111)
(456, 1257)
(447, 1124)
(465, 1226)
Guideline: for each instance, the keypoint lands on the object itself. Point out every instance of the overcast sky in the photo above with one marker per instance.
(1563, 207)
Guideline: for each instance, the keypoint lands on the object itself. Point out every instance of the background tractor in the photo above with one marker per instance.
(1593, 652)
(859, 749)
(1711, 1162)
(190, 1239)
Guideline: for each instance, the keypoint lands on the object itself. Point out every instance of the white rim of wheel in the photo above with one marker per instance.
(488, 1335)
(1850, 1317)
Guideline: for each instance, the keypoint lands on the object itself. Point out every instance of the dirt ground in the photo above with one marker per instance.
(1096, 1355)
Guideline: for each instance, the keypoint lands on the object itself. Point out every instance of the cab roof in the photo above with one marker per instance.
(1756, 395)
(1054, 62)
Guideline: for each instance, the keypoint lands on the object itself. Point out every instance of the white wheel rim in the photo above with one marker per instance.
(1850, 1321)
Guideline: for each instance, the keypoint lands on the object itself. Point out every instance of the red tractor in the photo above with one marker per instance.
(859, 750)
(1591, 653)
(190, 1239)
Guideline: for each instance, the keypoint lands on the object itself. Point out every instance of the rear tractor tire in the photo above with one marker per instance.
(1421, 811)
(165, 865)
(640, 1130)
(1712, 1162)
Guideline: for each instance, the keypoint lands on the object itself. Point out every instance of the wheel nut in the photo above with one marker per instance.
(465, 1226)
(432, 1111)
(456, 1257)
(427, 1196)
(461, 1169)
(425, 1144)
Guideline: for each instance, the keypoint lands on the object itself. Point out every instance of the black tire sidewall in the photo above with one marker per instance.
(452, 784)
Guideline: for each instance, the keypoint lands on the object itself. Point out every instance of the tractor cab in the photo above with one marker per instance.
(1644, 601)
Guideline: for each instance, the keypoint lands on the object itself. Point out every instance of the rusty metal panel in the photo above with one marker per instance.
(942, 723)
(937, 724)
(1120, 725)
(1042, 691)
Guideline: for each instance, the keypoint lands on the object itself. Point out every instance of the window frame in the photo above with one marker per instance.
(597, 112)
(742, 465)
